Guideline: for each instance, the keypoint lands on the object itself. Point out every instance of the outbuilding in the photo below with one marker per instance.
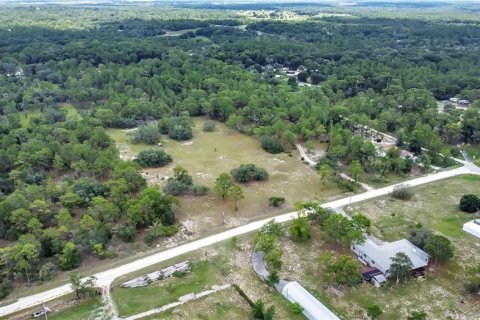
(312, 308)
(473, 227)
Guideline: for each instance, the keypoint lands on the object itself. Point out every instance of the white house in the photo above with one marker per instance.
(312, 308)
(378, 254)
(473, 227)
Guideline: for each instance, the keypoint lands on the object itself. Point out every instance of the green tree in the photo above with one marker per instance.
(343, 271)
(324, 172)
(361, 222)
(340, 229)
(400, 267)
(357, 170)
(469, 203)
(439, 248)
(70, 258)
(274, 258)
(300, 229)
(222, 184)
(235, 193)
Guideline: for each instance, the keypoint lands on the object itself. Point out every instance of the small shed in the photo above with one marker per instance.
(312, 308)
(473, 227)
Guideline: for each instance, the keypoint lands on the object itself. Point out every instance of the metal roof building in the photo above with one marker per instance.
(312, 308)
(379, 255)
(473, 227)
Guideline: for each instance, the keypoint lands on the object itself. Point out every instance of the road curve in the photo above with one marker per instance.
(107, 277)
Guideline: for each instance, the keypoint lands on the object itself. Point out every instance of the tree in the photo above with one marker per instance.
(70, 258)
(324, 172)
(249, 172)
(235, 193)
(439, 247)
(300, 229)
(357, 170)
(374, 311)
(81, 288)
(361, 223)
(343, 271)
(274, 258)
(341, 229)
(400, 267)
(153, 158)
(469, 203)
(222, 185)
(148, 134)
(417, 315)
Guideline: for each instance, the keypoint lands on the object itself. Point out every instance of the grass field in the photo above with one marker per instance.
(159, 293)
(209, 154)
(81, 311)
(224, 305)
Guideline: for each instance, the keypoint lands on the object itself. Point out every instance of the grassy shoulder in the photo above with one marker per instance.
(136, 300)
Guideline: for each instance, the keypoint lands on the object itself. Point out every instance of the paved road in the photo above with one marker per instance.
(107, 277)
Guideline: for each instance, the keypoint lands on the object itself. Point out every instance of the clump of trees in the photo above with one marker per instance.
(146, 133)
(266, 240)
(182, 183)
(249, 172)
(177, 128)
(469, 203)
(342, 271)
(153, 158)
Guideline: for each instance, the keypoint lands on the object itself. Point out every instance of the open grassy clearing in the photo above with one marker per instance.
(210, 153)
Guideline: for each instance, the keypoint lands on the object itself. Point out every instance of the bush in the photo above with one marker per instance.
(249, 172)
(271, 145)
(273, 278)
(469, 203)
(276, 201)
(127, 233)
(345, 184)
(147, 133)
(209, 126)
(153, 158)
(471, 287)
(180, 132)
(402, 192)
(374, 311)
(200, 190)
(296, 308)
(5, 288)
(169, 231)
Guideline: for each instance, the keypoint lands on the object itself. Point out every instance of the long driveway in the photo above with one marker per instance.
(107, 277)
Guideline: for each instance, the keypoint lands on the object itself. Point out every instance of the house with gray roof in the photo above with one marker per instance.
(378, 254)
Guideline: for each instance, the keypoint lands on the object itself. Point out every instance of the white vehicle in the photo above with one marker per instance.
(39, 314)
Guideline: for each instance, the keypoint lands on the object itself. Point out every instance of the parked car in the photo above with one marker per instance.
(39, 314)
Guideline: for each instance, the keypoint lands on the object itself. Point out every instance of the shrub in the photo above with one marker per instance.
(249, 172)
(200, 190)
(374, 311)
(209, 126)
(271, 145)
(273, 277)
(5, 288)
(180, 132)
(276, 201)
(402, 192)
(169, 231)
(345, 184)
(296, 308)
(153, 158)
(469, 203)
(127, 233)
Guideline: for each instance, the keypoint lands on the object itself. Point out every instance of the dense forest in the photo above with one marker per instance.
(65, 193)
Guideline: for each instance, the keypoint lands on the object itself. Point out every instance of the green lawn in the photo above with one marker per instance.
(224, 305)
(136, 300)
(81, 311)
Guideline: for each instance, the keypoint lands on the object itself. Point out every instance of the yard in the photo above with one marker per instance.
(136, 300)
(210, 153)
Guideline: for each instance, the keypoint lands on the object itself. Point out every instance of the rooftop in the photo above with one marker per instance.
(382, 253)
